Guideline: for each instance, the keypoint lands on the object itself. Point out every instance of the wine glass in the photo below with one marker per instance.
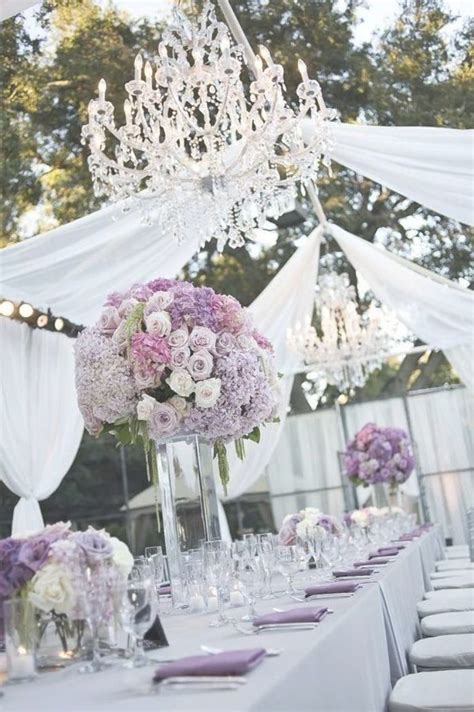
(217, 563)
(140, 611)
(249, 578)
(266, 554)
(288, 563)
(251, 542)
(154, 555)
(93, 595)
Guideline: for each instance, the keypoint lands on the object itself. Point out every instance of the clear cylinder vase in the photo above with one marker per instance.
(188, 500)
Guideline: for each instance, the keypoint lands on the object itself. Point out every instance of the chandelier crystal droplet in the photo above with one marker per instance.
(200, 154)
(345, 346)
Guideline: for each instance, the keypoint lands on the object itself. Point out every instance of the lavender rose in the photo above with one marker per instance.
(159, 301)
(109, 320)
(226, 342)
(244, 342)
(200, 365)
(178, 338)
(164, 421)
(202, 338)
(126, 307)
(34, 552)
(158, 323)
(180, 357)
(95, 545)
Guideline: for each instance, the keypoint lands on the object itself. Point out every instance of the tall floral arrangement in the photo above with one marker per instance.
(307, 522)
(378, 454)
(50, 567)
(167, 358)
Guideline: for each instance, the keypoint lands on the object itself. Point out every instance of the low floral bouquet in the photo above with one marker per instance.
(364, 516)
(379, 454)
(307, 522)
(50, 568)
(168, 359)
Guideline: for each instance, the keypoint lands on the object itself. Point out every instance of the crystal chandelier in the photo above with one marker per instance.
(200, 154)
(345, 346)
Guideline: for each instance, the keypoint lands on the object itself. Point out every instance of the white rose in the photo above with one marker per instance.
(120, 338)
(359, 517)
(158, 323)
(122, 556)
(126, 306)
(244, 342)
(181, 405)
(178, 338)
(202, 338)
(145, 407)
(180, 382)
(207, 392)
(200, 365)
(159, 301)
(52, 589)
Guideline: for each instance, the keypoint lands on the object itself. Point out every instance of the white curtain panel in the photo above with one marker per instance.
(40, 423)
(432, 166)
(433, 308)
(72, 268)
(8, 8)
(286, 300)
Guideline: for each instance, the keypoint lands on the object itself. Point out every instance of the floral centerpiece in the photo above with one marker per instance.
(378, 454)
(50, 567)
(167, 359)
(364, 516)
(305, 523)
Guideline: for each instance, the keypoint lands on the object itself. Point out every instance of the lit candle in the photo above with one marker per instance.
(303, 71)
(236, 598)
(265, 54)
(138, 67)
(148, 73)
(212, 603)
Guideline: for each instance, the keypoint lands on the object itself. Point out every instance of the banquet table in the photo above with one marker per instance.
(347, 664)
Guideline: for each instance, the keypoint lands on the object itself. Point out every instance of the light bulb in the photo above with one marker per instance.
(102, 88)
(303, 71)
(58, 324)
(7, 308)
(138, 67)
(266, 56)
(26, 310)
(42, 320)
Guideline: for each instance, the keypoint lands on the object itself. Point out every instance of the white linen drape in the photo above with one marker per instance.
(8, 8)
(286, 300)
(40, 423)
(432, 166)
(436, 310)
(72, 268)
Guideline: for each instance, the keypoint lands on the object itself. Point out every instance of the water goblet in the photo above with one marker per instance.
(139, 612)
(93, 597)
(250, 580)
(288, 563)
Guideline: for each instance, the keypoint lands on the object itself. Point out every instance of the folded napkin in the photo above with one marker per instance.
(331, 588)
(165, 589)
(393, 545)
(294, 615)
(389, 551)
(230, 662)
(352, 572)
(371, 562)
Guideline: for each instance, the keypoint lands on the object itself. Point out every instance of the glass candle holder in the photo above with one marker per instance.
(20, 640)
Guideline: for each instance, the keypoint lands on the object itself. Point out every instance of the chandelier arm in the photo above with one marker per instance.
(240, 37)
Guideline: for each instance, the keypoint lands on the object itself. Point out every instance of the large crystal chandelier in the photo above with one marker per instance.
(199, 153)
(345, 346)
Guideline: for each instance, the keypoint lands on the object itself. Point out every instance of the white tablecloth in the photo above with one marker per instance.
(347, 664)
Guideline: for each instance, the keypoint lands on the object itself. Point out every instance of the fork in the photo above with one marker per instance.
(321, 595)
(269, 652)
(275, 626)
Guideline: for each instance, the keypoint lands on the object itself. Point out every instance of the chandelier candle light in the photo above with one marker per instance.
(199, 152)
(346, 346)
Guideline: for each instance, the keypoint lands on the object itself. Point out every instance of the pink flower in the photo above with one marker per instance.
(164, 421)
(108, 321)
(200, 365)
(202, 338)
(149, 350)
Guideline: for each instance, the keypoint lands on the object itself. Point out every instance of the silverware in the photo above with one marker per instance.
(281, 610)
(322, 595)
(255, 630)
(269, 652)
(228, 682)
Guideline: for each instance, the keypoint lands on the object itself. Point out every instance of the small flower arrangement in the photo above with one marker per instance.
(378, 454)
(50, 567)
(307, 522)
(364, 516)
(168, 359)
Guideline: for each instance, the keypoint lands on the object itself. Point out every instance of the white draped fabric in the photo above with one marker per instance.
(436, 310)
(285, 301)
(432, 166)
(8, 8)
(72, 268)
(40, 423)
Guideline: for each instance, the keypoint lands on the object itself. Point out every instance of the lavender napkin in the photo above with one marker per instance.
(331, 588)
(165, 589)
(389, 551)
(352, 572)
(294, 615)
(399, 547)
(231, 662)
(371, 562)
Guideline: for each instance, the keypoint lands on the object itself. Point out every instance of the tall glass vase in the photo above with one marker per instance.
(189, 504)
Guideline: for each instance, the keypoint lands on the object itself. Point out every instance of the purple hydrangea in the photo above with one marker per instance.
(378, 454)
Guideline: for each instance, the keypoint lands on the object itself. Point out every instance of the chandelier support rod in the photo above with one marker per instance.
(240, 37)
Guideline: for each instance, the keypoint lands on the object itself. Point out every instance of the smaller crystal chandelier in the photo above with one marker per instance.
(200, 153)
(345, 346)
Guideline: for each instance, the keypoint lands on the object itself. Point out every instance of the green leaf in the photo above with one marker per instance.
(255, 435)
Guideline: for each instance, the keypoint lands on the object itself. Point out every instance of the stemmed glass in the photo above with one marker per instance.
(139, 611)
(217, 564)
(94, 599)
(329, 554)
(288, 563)
(250, 581)
(154, 557)
(266, 554)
